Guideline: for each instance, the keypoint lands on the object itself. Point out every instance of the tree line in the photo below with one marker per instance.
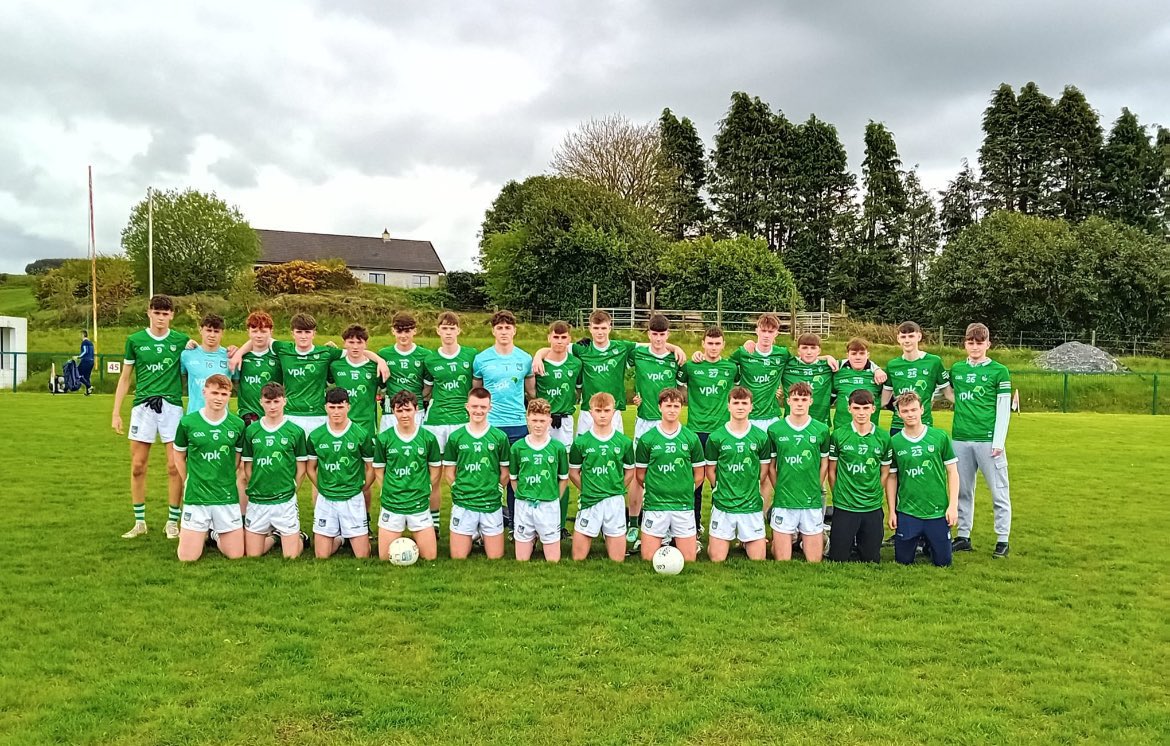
(650, 203)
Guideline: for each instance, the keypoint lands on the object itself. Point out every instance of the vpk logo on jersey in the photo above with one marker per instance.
(215, 455)
(916, 471)
(736, 468)
(332, 467)
(709, 390)
(403, 471)
(855, 468)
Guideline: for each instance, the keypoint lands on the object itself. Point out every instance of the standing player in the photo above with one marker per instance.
(982, 392)
(858, 373)
(258, 367)
(275, 459)
(539, 468)
(341, 456)
(358, 375)
(601, 466)
(708, 380)
(915, 370)
(85, 362)
(922, 493)
(738, 455)
(859, 465)
(447, 374)
(761, 368)
(800, 446)
(670, 466)
(559, 383)
(208, 443)
(201, 362)
(504, 369)
(152, 359)
(475, 464)
(405, 360)
(408, 461)
(809, 367)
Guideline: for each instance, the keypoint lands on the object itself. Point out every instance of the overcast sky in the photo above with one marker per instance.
(349, 116)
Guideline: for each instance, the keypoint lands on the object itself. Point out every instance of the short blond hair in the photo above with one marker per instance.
(539, 406)
(601, 400)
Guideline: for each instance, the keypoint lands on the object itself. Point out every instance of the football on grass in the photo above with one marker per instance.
(403, 551)
(668, 561)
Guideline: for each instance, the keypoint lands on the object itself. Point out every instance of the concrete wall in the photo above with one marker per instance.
(395, 279)
(13, 338)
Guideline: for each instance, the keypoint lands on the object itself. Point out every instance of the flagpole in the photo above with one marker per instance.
(92, 260)
(150, 240)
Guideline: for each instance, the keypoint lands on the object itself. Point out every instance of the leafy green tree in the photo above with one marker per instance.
(200, 242)
(41, 266)
(751, 275)
(684, 174)
(999, 156)
(468, 290)
(66, 288)
(921, 232)
(1133, 175)
(1078, 143)
(1035, 132)
(885, 195)
(1162, 143)
(1132, 288)
(742, 165)
(961, 202)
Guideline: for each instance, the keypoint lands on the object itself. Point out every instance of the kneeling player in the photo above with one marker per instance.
(922, 494)
(800, 445)
(274, 460)
(601, 467)
(670, 466)
(208, 443)
(341, 455)
(407, 460)
(539, 467)
(475, 464)
(859, 465)
(738, 455)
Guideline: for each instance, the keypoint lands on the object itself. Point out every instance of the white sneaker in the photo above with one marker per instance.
(172, 529)
(138, 530)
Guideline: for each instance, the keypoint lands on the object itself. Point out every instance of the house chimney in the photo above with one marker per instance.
(385, 235)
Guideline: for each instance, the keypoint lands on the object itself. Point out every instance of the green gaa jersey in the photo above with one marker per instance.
(211, 449)
(406, 372)
(256, 370)
(341, 459)
(274, 455)
(603, 464)
(760, 374)
(708, 385)
(652, 374)
(360, 380)
(558, 386)
(924, 376)
(920, 466)
(604, 370)
(819, 376)
(477, 460)
(798, 453)
(450, 380)
(537, 471)
(305, 375)
(406, 481)
(859, 460)
(669, 461)
(156, 365)
(977, 387)
(737, 460)
(847, 380)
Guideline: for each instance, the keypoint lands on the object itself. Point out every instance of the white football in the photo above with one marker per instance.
(403, 552)
(668, 561)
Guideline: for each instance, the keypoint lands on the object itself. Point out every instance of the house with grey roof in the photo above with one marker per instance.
(380, 260)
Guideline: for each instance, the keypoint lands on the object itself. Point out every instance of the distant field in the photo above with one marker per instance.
(112, 642)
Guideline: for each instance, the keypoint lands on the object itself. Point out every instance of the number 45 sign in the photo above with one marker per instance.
(113, 366)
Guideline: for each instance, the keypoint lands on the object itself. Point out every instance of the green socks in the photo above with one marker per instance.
(173, 513)
(140, 512)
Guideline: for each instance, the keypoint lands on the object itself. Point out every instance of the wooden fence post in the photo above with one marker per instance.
(719, 307)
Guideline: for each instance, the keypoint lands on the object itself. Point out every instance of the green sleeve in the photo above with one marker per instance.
(246, 453)
(504, 448)
(301, 445)
(712, 449)
(887, 454)
(452, 449)
(948, 450)
(280, 347)
(628, 455)
(641, 452)
(379, 452)
(1004, 386)
(575, 455)
(241, 439)
(181, 436)
(944, 375)
(434, 458)
(310, 450)
(682, 372)
(833, 445)
(333, 353)
(367, 448)
(129, 357)
(698, 458)
(825, 437)
(562, 463)
(512, 452)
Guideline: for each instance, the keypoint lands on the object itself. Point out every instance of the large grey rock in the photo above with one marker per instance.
(1076, 357)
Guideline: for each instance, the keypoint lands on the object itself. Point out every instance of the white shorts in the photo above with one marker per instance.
(345, 518)
(442, 434)
(538, 519)
(145, 423)
(280, 518)
(222, 519)
(585, 420)
(471, 522)
(308, 423)
(641, 427)
(731, 526)
(564, 433)
(398, 522)
(662, 523)
(805, 521)
(388, 421)
(765, 424)
(607, 516)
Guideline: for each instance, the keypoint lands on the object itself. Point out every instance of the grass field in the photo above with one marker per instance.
(113, 642)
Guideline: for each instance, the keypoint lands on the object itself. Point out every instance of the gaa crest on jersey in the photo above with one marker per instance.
(930, 448)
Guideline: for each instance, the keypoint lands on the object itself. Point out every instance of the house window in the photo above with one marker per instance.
(422, 281)
(378, 278)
